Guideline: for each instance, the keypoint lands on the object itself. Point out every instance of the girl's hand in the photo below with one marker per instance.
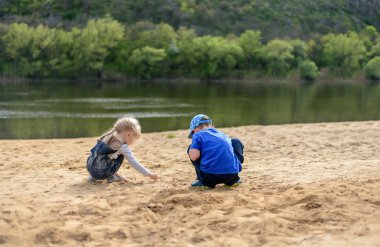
(153, 176)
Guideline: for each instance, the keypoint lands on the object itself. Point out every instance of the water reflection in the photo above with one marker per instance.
(62, 110)
(4, 114)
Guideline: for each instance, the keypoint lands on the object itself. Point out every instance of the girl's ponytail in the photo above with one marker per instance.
(110, 131)
(123, 124)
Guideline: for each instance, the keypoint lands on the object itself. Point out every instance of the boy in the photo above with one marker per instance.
(217, 159)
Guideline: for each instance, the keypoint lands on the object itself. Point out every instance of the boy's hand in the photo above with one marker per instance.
(153, 176)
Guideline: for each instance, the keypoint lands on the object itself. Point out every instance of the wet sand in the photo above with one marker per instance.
(304, 185)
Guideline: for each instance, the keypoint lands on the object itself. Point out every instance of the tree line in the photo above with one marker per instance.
(109, 50)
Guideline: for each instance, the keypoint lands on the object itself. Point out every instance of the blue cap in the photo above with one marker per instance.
(198, 120)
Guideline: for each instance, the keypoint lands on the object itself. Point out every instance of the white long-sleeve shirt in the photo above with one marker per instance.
(122, 149)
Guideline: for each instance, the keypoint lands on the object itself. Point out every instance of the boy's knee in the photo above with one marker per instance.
(238, 147)
(237, 143)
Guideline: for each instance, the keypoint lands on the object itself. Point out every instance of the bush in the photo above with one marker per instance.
(375, 50)
(278, 56)
(308, 70)
(145, 62)
(42, 51)
(36, 51)
(211, 57)
(372, 69)
(93, 44)
(343, 53)
(300, 49)
(250, 42)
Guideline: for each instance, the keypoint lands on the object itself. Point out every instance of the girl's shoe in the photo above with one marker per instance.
(91, 179)
(114, 178)
(197, 184)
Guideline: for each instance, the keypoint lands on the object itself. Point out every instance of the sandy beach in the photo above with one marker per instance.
(304, 185)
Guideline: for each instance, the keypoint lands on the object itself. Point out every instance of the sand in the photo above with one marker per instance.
(304, 185)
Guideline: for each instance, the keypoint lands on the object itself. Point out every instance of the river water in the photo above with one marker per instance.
(60, 110)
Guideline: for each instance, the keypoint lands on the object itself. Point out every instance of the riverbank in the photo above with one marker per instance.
(304, 184)
(293, 78)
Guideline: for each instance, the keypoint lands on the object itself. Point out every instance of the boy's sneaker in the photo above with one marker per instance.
(197, 184)
(91, 179)
(114, 178)
(239, 182)
(235, 184)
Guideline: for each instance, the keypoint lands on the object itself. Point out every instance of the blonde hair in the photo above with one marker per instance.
(123, 124)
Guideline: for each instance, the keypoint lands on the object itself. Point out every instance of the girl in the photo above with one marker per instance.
(112, 147)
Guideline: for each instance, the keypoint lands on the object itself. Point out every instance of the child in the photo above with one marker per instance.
(217, 159)
(108, 154)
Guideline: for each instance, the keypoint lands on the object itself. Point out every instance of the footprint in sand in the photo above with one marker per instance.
(3, 239)
(313, 205)
(48, 236)
(80, 236)
(298, 188)
(308, 199)
(310, 202)
(119, 234)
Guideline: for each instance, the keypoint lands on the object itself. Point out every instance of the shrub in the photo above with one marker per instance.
(278, 56)
(145, 62)
(308, 70)
(343, 53)
(211, 57)
(372, 69)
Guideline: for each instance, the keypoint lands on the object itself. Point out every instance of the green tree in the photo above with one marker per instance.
(56, 53)
(370, 32)
(18, 48)
(300, 50)
(43, 51)
(159, 36)
(368, 36)
(22, 7)
(250, 42)
(343, 53)
(187, 6)
(186, 35)
(116, 60)
(146, 62)
(308, 70)
(178, 52)
(3, 31)
(94, 44)
(278, 56)
(372, 69)
(35, 52)
(211, 57)
(375, 50)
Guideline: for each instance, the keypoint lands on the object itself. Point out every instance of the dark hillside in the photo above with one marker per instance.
(275, 18)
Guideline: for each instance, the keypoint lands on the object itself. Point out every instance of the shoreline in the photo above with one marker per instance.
(263, 80)
(303, 184)
(169, 134)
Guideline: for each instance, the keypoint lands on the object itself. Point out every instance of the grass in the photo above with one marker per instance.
(170, 136)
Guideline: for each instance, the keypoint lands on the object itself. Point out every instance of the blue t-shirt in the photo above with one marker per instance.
(217, 154)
